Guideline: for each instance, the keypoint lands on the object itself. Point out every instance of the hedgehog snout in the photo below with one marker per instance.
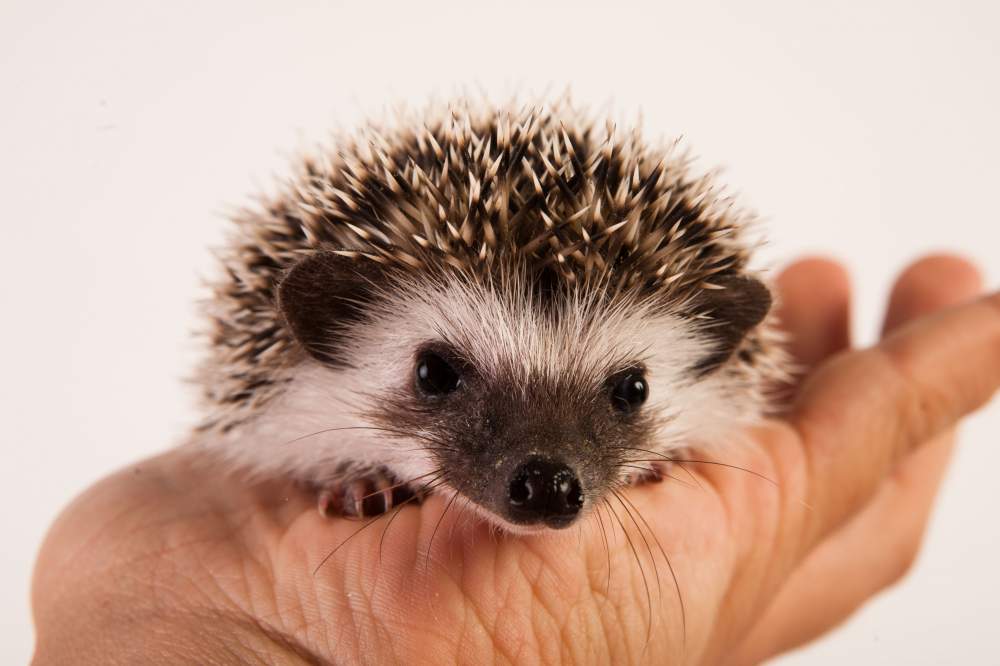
(544, 491)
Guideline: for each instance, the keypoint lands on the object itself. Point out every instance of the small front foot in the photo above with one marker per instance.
(654, 474)
(363, 497)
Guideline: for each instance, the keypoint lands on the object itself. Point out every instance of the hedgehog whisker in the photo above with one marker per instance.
(673, 574)
(427, 556)
(327, 430)
(683, 483)
(462, 511)
(392, 431)
(663, 457)
(607, 548)
(656, 572)
(690, 476)
(642, 570)
(437, 447)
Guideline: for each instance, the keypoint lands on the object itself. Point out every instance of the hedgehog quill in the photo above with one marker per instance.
(522, 305)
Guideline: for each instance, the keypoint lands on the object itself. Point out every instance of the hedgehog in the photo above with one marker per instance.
(516, 304)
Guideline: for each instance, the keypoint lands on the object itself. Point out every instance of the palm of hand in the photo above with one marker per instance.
(714, 564)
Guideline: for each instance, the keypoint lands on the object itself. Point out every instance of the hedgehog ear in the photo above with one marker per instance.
(322, 295)
(733, 310)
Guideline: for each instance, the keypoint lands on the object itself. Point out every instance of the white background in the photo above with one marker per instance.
(866, 131)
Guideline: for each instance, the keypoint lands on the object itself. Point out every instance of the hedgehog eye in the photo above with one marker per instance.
(630, 391)
(434, 375)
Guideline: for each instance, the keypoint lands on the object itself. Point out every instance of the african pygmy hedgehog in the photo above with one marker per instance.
(512, 304)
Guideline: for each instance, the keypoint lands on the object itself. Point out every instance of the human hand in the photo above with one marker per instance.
(167, 561)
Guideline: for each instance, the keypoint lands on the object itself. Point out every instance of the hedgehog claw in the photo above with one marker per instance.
(362, 497)
(654, 474)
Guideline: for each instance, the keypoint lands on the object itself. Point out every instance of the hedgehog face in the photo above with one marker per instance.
(531, 404)
(530, 449)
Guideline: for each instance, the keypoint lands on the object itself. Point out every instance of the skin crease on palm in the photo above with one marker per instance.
(170, 561)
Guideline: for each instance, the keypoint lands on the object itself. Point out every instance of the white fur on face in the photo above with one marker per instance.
(317, 430)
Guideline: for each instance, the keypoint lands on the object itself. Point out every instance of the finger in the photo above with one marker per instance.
(878, 546)
(871, 552)
(862, 413)
(931, 284)
(814, 309)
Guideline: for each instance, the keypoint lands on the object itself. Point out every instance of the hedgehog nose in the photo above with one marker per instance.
(543, 491)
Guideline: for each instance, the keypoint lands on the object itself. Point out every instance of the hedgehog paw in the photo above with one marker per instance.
(363, 497)
(654, 474)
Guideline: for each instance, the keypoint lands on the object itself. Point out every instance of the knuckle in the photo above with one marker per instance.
(919, 406)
